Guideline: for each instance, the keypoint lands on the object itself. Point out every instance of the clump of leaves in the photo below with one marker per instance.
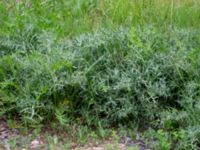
(108, 77)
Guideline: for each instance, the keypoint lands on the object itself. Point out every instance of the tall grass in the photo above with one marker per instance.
(68, 18)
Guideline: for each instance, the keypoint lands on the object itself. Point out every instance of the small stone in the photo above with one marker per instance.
(35, 144)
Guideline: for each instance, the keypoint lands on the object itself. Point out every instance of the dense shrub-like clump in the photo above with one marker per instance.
(115, 77)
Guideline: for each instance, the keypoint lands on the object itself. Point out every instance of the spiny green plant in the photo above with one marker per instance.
(97, 76)
(52, 69)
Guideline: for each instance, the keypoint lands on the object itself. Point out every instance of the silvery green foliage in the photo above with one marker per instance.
(119, 76)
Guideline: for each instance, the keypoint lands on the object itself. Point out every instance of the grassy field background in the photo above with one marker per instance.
(73, 17)
(102, 64)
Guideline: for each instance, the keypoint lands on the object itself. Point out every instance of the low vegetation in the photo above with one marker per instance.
(104, 64)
